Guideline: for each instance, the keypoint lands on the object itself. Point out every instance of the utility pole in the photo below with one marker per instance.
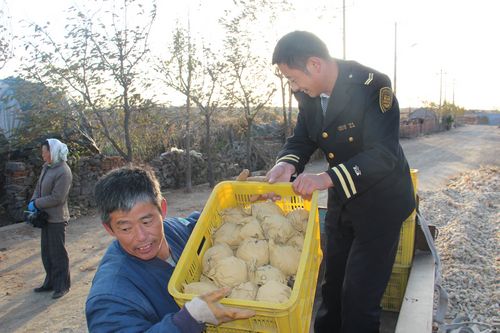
(445, 88)
(440, 87)
(441, 73)
(343, 26)
(395, 53)
(453, 91)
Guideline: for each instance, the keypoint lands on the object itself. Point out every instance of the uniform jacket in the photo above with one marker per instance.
(360, 139)
(52, 190)
(130, 295)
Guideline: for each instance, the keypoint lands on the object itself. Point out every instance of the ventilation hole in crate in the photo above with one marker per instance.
(201, 246)
(263, 323)
(242, 198)
(218, 329)
(192, 272)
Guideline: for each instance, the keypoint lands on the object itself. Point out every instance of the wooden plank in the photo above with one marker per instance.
(417, 308)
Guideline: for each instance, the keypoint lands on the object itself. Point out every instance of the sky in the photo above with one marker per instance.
(446, 49)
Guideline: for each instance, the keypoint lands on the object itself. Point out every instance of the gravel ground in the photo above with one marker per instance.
(466, 212)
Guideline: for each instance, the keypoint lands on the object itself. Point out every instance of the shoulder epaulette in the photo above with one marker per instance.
(359, 74)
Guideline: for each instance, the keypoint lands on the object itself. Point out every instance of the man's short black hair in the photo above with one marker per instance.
(121, 189)
(296, 47)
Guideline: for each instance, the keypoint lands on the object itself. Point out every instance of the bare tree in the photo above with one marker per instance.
(249, 84)
(121, 51)
(195, 72)
(177, 73)
(99, 66)
(209, 99)
(67, 67)
(6, 45)
(286, 93)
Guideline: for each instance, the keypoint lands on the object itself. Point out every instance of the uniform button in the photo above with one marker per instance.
(351, 139)
(324, 135)
(331, 156)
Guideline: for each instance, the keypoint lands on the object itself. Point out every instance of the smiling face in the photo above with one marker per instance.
(308, 80)
(140, 230)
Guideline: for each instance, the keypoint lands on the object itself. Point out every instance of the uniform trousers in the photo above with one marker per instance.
(55, 257)
(358, 268)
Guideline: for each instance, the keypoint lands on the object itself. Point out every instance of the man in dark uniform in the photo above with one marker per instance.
(349, 112)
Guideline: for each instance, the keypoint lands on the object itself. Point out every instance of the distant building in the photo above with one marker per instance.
(424, 113)
(9, 109)
(419, 122)
(480, 117)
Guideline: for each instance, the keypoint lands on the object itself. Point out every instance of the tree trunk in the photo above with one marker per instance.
(189, 187)
(249, 143)
(290, 99)
(283, 107)
(208, 151)
(126, 125)
(230, 136)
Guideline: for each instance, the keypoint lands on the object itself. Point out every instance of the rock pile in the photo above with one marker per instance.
(170, 168)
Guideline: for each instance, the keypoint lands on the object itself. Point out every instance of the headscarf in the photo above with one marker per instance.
(58, 151)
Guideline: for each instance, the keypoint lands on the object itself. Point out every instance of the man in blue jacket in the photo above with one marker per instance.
(129, 290)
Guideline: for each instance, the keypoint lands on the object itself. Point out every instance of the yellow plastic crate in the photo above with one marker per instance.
(291, 316)
(414, 180)
(395, 291)
(404, 254)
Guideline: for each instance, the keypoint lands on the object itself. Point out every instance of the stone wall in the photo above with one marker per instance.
(19, 183)
(170, 167)
(86, 172)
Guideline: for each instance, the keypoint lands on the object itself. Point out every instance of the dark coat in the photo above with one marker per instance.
(360, 139)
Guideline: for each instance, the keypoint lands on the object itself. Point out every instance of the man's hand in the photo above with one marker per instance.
(207, 309)
(281, 172)
(305, 184)
(245, 176)
(224, 314)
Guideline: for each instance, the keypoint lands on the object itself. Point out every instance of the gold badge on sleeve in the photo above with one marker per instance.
(385, 99)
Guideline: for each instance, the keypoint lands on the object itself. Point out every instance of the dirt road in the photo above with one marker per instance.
(442, 155)
(437, 157)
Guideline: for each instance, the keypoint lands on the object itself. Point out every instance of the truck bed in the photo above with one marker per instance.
(415, 315)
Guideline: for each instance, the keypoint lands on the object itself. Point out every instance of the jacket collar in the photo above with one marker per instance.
(339, 97)
(53, 165)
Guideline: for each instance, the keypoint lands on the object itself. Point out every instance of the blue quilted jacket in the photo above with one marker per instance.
(130, 295)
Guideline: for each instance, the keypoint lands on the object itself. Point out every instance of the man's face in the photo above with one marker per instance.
(306, 81)
(140, 231)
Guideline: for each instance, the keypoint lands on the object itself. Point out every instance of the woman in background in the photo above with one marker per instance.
(51, 196)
